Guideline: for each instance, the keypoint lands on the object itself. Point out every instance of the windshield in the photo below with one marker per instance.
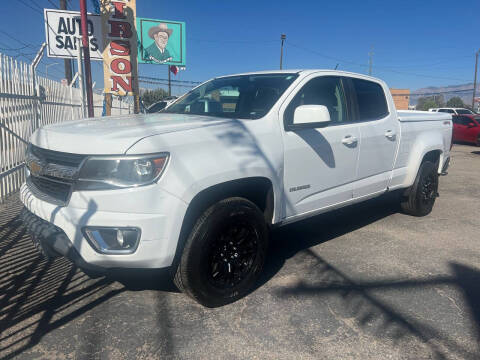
(464, 111)
(241, 97)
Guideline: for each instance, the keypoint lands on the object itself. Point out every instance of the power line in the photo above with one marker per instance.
(14, 49)
(177, 81)
(440, 92)
(164, 83)
(32, 46)
(53, 4)
(36, 5)
(366, 66)
(27, 5)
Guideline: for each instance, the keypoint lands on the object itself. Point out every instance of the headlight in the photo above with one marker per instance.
(111, 172)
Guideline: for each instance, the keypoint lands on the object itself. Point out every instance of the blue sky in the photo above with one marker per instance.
(415, 43)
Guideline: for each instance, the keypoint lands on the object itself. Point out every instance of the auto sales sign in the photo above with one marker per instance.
(63, 27)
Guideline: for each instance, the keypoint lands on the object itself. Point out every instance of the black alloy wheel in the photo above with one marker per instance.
(418, 200)
(224, 253)
(429, 188)
(232, 254)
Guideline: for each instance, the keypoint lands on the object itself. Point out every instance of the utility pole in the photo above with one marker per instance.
(86, 57)
(370, 61)
(67, 62)
(475, 80)
(169, 82)
(282, 37)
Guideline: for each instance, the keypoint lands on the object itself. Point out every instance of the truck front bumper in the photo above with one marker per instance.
(158, 214)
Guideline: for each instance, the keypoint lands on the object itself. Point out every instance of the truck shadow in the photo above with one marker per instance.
(358, 299)
(291, 239)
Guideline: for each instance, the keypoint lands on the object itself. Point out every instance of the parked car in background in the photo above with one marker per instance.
(156, 107)
(453, 111)
(466, 128)
(198, 186)
(162, 104)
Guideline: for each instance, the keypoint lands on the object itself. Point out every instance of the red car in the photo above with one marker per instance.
(466, 128)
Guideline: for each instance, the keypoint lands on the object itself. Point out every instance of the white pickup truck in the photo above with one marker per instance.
(197, 186)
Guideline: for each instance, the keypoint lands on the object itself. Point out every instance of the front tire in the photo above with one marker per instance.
(224, 253)
(420, 197)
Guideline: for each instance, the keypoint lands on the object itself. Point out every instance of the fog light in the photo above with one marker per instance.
(111, 240)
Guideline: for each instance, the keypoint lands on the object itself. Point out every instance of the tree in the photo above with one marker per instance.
(425, 103)
(455, 102)
(150, 97)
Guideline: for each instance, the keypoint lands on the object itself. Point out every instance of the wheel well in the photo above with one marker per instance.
(433, 156)
(258, 190)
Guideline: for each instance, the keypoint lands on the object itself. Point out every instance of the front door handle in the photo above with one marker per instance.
(349, 140)
(390, 135)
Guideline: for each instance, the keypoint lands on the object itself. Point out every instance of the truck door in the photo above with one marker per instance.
(319, 162)
(379, 136)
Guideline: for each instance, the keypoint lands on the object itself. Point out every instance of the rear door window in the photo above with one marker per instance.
(370, 100)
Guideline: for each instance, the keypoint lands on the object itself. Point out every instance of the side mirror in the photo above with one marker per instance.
(471, 125)
(310, 116)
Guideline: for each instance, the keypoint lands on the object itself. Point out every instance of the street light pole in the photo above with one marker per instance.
(86, 57)
(282, 37)
(475, 80)
(46, 69)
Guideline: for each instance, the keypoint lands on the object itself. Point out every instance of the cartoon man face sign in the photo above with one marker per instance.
(157, 52)
(161, 39)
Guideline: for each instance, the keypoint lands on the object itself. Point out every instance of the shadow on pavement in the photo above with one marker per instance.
(38, 296)
(375, 315)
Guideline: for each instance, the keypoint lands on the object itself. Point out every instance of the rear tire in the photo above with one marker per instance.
(224, 253)
(419, 199)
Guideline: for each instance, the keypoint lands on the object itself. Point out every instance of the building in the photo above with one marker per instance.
(401, 97)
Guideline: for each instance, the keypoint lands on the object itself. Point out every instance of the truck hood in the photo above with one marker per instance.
(115, 134)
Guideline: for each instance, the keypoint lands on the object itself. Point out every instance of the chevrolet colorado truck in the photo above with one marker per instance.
(196, 187)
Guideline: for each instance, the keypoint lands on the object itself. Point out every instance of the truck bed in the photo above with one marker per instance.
(412, 115)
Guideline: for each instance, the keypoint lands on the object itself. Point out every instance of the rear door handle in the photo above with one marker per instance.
(350, 140)
(390, 135)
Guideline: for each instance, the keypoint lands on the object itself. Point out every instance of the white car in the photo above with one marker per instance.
(453, 111)
(197, 187)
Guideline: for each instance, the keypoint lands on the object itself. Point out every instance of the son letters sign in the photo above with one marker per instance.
(120, 52)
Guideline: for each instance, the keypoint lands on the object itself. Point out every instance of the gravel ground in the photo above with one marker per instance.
(364, 282)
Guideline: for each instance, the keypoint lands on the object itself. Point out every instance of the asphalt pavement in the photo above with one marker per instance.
(364, 282)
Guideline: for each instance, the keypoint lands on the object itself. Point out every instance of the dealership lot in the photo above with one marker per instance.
(361, 282)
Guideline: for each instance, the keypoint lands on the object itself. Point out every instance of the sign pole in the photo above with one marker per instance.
(169, 82)
(86, 57)
(108, 104)
(80, 75)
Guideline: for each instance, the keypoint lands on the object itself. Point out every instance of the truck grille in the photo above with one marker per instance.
(54, 192)
(56, 157)
(52, 174)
